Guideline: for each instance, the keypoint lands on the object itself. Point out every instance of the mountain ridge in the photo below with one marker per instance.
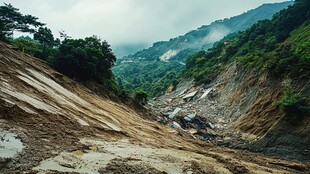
(154, 69)
(204, 36)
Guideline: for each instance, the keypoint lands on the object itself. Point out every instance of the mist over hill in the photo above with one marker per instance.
(153, 69)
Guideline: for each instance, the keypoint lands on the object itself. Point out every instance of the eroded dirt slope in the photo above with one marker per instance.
(64, 127)
(239, 109)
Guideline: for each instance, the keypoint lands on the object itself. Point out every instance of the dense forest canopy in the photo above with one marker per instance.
(267, 44)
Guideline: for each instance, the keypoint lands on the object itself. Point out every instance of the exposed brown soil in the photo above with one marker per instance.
(51, 114)
(119, 166)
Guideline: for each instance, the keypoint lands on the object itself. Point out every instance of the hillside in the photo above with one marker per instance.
(52, 124)
(169, 56)
(204, 37)
(257, 85)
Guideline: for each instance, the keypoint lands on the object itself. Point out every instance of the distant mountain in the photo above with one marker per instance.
(126, 49)
(153, 69)
(204, 37)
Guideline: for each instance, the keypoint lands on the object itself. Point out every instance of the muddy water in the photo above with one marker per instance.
(10, 145)
(103, 153)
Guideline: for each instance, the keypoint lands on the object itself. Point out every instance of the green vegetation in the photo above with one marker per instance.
(154, 77)
(294, 105)
(195, 40)
(89, 59)
(28, 45)
(280, 45)
(204, 66)
(12, 20)
(141, 97)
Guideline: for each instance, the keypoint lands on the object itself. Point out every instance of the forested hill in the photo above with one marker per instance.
(279, 46)
(144, 71)
(204, 37)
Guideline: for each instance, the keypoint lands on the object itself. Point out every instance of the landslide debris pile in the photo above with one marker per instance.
(230, 112)
(51, 124)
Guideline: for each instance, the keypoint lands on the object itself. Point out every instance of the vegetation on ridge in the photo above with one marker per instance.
(89, 59)
(279, 46)
(12, 20)
(149, 73)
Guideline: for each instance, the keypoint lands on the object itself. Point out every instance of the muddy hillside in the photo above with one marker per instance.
(239, 109)
(51, 124)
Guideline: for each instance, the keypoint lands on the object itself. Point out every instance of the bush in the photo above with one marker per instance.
(141, 97)
(294, 105)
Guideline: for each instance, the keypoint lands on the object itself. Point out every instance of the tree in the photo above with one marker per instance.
(46, 38)
(63, 35)
(86, 59)
(12, 20)
(27, 45)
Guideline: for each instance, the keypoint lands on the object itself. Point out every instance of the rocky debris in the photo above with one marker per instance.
(207, 91)
(175, 125)
(189, 117)
(173, 114)
(170, 89)
(189, 96)
(195, 110)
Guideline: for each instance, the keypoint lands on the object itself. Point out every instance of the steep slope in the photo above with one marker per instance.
(259, 83)
(177, 49)
(51, 124)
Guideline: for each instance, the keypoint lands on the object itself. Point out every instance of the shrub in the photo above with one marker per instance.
(294, 105)
(141, 97)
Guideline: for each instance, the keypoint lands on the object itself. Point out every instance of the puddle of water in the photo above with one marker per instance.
(9, 144)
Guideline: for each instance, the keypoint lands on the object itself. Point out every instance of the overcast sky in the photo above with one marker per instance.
(131, 22)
